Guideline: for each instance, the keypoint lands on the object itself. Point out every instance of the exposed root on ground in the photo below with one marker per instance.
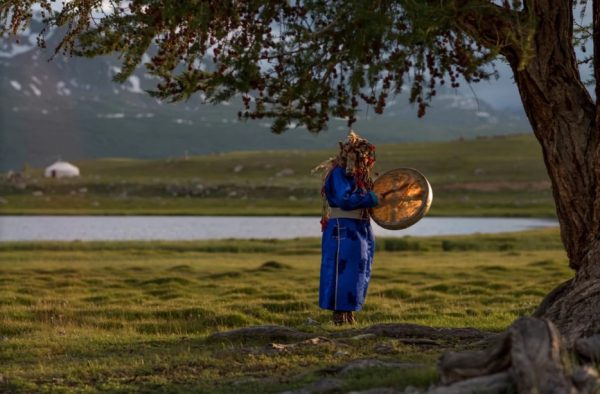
(413, 334)
(530, 357)
(415, 331)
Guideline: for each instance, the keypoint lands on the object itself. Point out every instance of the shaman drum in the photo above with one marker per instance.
(405, 197)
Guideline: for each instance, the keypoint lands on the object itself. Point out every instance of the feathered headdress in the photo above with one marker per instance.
(357, 157)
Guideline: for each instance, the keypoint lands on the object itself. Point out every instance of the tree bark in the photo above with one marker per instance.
(565, 120)
(562, 114)
(528, 358)
(563, 117)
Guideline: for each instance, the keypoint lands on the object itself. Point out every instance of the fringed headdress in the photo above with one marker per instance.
(357, 157)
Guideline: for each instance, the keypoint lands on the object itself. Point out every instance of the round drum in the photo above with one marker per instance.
(405, 196)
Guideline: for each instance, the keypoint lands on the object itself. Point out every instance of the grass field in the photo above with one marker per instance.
(138, 316)
(501, 176)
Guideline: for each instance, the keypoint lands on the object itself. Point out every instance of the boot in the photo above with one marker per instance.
(350, 318)
(339, 318)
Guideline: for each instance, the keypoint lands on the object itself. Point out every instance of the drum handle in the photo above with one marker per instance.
(392, 191)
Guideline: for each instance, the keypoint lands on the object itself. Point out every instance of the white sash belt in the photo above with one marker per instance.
(337, 213)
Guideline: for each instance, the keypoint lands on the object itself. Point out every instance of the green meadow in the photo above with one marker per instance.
(499, 176)
(141, 316)
(159, 316)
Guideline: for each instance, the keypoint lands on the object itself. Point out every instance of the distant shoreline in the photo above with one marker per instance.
(234, 214)
(176, 228)
(486, 177)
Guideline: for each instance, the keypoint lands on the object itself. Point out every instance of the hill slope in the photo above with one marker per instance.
(69, 107)
(501, 176)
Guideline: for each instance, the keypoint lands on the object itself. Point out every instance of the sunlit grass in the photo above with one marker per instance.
(502, 176)
(138, 315)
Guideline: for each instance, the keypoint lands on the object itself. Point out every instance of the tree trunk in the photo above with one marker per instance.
(565, 121)
(563, 117)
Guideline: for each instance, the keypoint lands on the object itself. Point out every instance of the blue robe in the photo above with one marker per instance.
(347, 246)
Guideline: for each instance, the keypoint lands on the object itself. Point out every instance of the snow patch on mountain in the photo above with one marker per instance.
(183, 121)
(144, 115)
(62, 89)
(459, 102)
(35, 90)
(23, 42)
(13, 50)
(118, 115)
(15, 85)
(134, 85)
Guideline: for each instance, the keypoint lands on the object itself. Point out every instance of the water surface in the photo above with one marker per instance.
(88, 228)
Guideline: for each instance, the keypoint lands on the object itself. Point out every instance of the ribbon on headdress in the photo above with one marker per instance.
(356, 156)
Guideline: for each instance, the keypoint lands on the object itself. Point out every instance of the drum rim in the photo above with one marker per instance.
(423, 210)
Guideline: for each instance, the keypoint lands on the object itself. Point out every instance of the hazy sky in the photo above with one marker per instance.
(500, 93)
(503, 93)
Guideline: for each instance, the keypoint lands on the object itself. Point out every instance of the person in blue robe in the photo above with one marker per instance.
(348, 245)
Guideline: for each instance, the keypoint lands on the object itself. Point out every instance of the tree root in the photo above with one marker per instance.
(500, 382)
(454, 367)
(405, 330)
(408, 333)
(283, 347)
(588, 348)
(573, 307)
(530, 357)
(552, 297)
(531, 354)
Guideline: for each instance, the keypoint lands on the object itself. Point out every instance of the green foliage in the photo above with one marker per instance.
(298, 62)
(448, 246)
(399, 244)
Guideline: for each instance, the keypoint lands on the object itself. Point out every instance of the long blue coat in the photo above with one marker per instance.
(347, 246)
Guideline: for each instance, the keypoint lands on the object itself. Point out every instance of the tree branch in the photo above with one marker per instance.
(495, 27)
(596, 41)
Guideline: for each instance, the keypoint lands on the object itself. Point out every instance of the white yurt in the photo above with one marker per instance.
(61, 169)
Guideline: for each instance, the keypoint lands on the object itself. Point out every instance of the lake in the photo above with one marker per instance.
(88, 228)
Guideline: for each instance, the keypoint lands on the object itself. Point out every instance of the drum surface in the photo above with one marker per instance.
(405, 197)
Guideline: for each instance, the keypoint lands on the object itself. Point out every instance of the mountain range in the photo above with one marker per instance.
(69, 108)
